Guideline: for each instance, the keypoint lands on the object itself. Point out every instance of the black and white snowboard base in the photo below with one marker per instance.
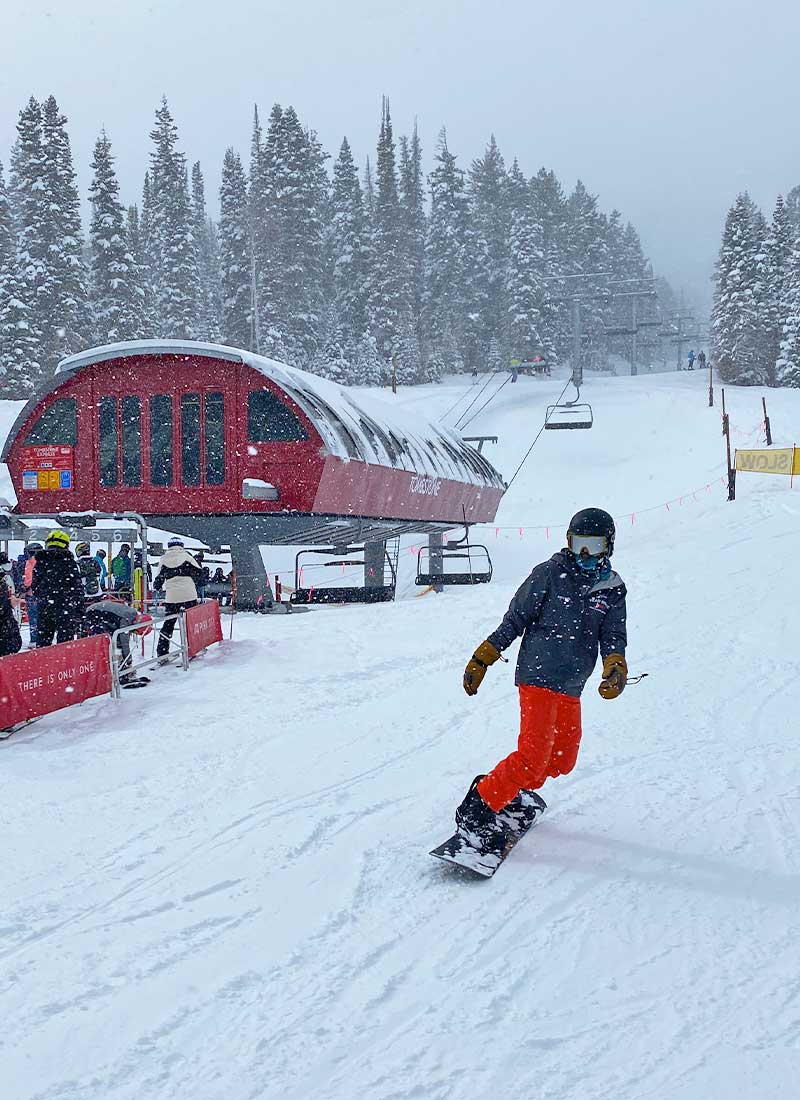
(135, 682)
(484, 862)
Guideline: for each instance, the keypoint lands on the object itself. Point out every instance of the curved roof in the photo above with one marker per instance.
(353, 426)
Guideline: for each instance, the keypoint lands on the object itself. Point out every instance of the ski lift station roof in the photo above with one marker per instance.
(169, 427)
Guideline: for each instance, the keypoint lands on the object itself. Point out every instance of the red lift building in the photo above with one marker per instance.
(238, 450)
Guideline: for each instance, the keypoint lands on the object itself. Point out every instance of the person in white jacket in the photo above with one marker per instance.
(178, 575)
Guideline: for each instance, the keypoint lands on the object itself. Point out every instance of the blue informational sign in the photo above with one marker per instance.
(66, 479)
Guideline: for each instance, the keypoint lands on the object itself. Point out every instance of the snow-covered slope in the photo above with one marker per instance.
(219, 887)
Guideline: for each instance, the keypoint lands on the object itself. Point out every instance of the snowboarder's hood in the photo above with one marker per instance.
(176, 556)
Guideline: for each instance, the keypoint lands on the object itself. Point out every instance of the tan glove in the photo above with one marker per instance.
(486, 654)
(615, 676)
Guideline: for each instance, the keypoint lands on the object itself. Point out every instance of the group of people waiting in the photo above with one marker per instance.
(70, 596)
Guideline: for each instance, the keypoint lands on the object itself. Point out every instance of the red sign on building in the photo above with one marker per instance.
(50, 467)
(43, 680)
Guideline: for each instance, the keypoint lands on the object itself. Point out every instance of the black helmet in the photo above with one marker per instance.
(592, 523)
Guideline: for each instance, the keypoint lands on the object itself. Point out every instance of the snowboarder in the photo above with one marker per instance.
(56, 584)
(122, 570)
(691, 359)
(568, 607)
(89, 569)
(701, 360)
(178, 574)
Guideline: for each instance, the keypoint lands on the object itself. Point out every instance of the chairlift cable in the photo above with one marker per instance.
(536, 440)
(457, 401)
(472, 402)
(483, 406)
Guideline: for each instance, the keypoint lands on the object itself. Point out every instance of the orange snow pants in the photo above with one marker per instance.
(549, 738)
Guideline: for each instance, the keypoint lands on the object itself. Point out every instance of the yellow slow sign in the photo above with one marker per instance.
(778, 460)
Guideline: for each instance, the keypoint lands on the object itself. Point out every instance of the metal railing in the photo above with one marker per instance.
(122, 666)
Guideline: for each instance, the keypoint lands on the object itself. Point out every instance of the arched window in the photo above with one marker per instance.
(57, 424)
(270, 421)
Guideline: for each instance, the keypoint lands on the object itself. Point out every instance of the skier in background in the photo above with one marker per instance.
(178, 574)
(701, 360)
(100, 558)
(122, 570)
(31, 603)
(568, 607)
(691, 360)
(10, 637)
(89, 569)
(56, 584)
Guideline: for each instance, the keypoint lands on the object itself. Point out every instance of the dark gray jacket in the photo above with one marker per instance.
(563, 617)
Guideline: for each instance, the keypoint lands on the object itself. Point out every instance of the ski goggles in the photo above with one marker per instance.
(595, 546)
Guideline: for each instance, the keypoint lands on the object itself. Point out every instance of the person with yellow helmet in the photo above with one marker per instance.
(56, 585)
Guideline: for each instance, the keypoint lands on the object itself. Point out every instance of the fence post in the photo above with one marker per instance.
(710, 386)
(767, 425)
(726, 431)
(184, 641)
(116, 691)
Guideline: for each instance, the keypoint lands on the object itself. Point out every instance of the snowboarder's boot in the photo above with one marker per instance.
(478, 825)
(523, 811)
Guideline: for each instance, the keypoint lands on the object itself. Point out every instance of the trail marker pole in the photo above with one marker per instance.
(710, 386)
(726, 431)
(767, 425)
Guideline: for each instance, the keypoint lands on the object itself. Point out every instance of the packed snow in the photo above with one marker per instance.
(219, 887)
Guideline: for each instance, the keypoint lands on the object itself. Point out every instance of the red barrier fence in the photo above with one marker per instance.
(203, 626)
(43, 680)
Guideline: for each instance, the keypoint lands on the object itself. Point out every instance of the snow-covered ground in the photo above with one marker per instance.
(219, 887)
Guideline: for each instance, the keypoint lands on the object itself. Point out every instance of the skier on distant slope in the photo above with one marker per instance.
(568, 607)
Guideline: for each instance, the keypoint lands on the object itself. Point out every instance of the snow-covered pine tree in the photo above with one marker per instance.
(369, 192)
(298, 195)
(488, 260)
(145, 256)
(16, 347)
(413, 221)
(65, 308)
(527, 301)
(369, 367)
(388, 305)
(334, 360)
(142, 327)
(116, 293)
(174, 255)
(734, 316)
(778, 259)
(206, 245)
(446, 256)
(235, 257)
(347, 248)
(793, 210)
(549, 206)
(587, 254)
(788, 364)
(25, 348)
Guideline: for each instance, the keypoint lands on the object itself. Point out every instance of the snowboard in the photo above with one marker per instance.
(458, 852)
(138, 682)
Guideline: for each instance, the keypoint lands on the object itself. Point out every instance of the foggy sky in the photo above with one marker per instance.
(664, 110)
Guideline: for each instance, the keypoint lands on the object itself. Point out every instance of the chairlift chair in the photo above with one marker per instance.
(479, 563)
(569, 414)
